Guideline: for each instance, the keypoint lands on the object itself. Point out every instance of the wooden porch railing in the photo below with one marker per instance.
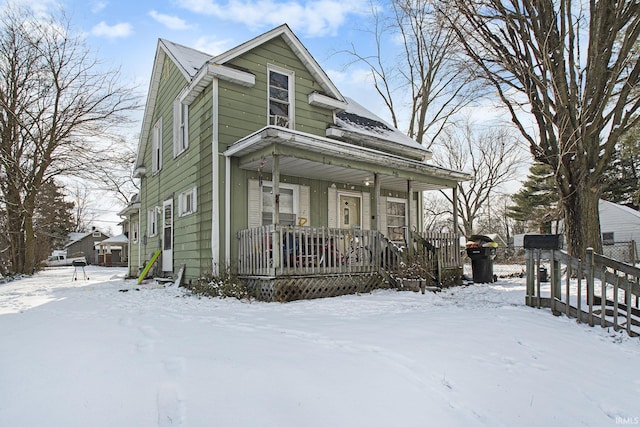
(596, 290)
(319, 251)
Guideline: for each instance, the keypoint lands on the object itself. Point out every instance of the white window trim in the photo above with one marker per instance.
(182, 202)
(292, 106)
(339, 211)
(152, 220)
(406, 211)
(156, 147)
(180, 127)
(135, 231)
(296, 195)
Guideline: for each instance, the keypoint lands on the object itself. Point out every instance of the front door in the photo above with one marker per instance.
(167, 235)
(349, 211)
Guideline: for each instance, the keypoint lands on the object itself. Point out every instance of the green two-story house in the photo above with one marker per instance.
(254, 159)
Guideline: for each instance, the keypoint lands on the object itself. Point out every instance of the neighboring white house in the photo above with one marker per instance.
(618, 224)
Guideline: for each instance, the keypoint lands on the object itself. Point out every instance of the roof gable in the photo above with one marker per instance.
(188, 60)
(296, 46)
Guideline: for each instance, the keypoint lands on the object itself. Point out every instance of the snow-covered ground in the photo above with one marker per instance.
(85, 353)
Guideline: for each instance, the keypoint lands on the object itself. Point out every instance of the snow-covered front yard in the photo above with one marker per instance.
(89, 354)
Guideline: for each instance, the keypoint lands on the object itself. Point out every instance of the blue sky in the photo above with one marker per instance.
(125, 33)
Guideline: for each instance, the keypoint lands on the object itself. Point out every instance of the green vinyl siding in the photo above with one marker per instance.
(244, 110)
(191, 233)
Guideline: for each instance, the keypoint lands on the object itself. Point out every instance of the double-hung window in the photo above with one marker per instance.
(281, 96)
(396, 219)
(187, 202)
(134, 231)
(156, 147)
(152, 221)
(288, 204)
(180, 127)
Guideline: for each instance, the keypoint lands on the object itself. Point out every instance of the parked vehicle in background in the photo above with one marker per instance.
(60, 258)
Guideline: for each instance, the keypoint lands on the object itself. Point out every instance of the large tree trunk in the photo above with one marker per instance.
(29, 246)
(15, 230)
(582, 218)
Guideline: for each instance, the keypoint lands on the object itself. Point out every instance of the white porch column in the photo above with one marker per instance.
(275, 213)
(410, 210)
(375, 224)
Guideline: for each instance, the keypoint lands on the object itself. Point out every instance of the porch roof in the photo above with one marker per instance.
(310, 156)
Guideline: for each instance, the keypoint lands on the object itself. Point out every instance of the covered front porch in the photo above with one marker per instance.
(290, 262)
(286, 257)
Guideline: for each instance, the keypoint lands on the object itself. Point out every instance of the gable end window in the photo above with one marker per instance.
(180, 127)
(281, 95)
(187, 202)
(156, 147)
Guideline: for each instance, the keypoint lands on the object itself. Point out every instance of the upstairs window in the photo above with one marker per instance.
(156, 147)
(280, 97)
(180, 127)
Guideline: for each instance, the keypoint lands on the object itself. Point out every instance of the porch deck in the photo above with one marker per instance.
(318, 262)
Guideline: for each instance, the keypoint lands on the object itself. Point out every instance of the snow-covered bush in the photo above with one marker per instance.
(225, 284)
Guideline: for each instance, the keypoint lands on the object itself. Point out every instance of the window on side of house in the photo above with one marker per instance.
(608, 238)
(135, 227)
(396, 219)
(280, 88)
(156, 147)
(152, 222)
(288, 204)
(187, 202)
(180, 127)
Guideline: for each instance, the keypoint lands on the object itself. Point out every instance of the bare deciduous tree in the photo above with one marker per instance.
(574, 68)
(492, 157)
(422, 69)
(59, 110)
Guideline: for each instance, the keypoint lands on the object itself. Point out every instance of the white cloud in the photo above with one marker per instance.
(211, 45)
(312, 18)
(97, 6)
(40, 8)
(171, 22)
(122, 29)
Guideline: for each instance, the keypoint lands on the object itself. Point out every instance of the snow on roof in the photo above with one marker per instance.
(189, 59)
(623, 208)
(74, 237)
(356, 118)
(116, 239)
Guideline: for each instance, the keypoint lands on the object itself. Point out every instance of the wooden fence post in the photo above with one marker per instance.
(530, 278)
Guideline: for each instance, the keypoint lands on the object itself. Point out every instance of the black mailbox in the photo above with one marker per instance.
(543, 241)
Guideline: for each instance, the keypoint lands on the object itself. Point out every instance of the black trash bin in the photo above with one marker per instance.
(481, 249)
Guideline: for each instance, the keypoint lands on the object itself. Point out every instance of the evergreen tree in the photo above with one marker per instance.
(53, 219)
(536, 204)
(622, 179)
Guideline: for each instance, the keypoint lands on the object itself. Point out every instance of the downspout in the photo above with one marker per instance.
(139, 243)
(456, 232)
(215, 193)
